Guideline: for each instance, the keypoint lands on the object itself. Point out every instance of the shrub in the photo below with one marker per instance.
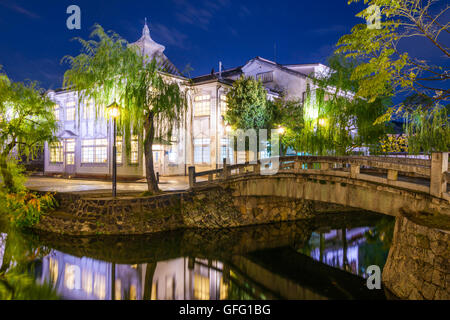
(24, 209)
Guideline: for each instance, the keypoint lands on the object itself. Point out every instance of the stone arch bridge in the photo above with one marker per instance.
(389, 185)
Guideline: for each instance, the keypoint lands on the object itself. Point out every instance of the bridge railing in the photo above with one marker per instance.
(429, 176)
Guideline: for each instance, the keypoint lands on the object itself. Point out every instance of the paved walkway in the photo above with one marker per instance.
(80, 185)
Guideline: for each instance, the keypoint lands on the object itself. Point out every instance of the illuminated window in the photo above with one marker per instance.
(89, 111)
(94, 151)
(173, 156)
(70, 111)
(223, 290)
(154, 290)
(72, 277)
(56, 152)
(223, 104)
(86, 280)
(134, 156)
(100, 286)
(133, 294)
(170, 288)
(119, 149)
(118, 291)
(56, 111)
(201, 287)
(202, 105)
(53, 268)
(70, 145)
(226, 151)
(202, 151)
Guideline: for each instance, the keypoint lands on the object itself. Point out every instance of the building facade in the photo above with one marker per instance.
(86, 138)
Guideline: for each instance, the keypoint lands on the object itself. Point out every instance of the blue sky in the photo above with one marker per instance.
(34, 36)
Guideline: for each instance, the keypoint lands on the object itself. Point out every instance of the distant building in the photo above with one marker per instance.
(86, 140)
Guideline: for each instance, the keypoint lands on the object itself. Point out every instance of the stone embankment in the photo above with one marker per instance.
(418, 265)
(210, 208)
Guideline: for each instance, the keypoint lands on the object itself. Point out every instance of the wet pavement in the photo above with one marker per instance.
(40, 183)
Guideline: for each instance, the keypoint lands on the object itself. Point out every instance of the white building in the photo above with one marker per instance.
(85, 147)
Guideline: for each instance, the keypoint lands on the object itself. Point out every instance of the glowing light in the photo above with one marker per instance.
(113, 110)
(322, 122)
(228, 129)
(281, 130)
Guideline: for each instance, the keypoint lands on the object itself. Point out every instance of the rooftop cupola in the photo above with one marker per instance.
(147, 45)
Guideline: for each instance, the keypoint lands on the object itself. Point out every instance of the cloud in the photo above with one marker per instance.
(20, 10)
(169, 36)
(199, 14)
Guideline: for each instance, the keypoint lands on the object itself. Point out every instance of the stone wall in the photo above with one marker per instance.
(418, 265)
(210, 208)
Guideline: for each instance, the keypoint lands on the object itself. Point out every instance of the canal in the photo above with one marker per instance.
(321, 258)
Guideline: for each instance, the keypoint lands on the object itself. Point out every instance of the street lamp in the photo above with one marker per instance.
(281, 130)
(114, 111)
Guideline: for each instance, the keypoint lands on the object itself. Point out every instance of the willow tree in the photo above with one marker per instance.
(26, 122)
(333, 120)
(109, 69)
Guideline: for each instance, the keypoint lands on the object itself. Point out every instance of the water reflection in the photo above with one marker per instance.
(315, 259)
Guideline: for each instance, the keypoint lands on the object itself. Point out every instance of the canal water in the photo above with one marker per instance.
(321, 258)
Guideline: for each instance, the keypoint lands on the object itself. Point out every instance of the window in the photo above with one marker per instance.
(223, 289)
(53, 268)
(134, 156)
(94, 151)
(202, 153)
(56, 112)
(173, 156)
(100, 286)
(202, 105)
(223, 104)
(119, 149)
(87, 281)
(265, 76)
(201, 287)
(89, 111)
(70, 111)
(72, 277)
(201, 141)
(56, 152)
(226, 151)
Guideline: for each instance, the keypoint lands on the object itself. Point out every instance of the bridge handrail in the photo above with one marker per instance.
(436, 170)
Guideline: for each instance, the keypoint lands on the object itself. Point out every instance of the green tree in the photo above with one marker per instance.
(26, 122)
(387, 67)
(152, 104)
(333, 120)
(248, 107)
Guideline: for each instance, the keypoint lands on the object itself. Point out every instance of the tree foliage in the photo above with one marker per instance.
(107, 70)
(248, 107)
(386, 66)
(26, 122)
(333, 120)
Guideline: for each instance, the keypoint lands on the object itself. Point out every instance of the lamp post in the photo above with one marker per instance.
(114, 112)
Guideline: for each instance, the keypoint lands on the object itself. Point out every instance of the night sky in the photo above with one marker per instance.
(34, 36)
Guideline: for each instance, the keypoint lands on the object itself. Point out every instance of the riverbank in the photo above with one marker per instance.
(87, 214)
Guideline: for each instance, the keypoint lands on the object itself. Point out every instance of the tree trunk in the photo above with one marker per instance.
(148, 150)
(148, 283)
(6, 174)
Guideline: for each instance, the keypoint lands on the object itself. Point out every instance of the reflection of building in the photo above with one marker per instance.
(86, 138)
(333, 250)
(178, 279)
(2, 246)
